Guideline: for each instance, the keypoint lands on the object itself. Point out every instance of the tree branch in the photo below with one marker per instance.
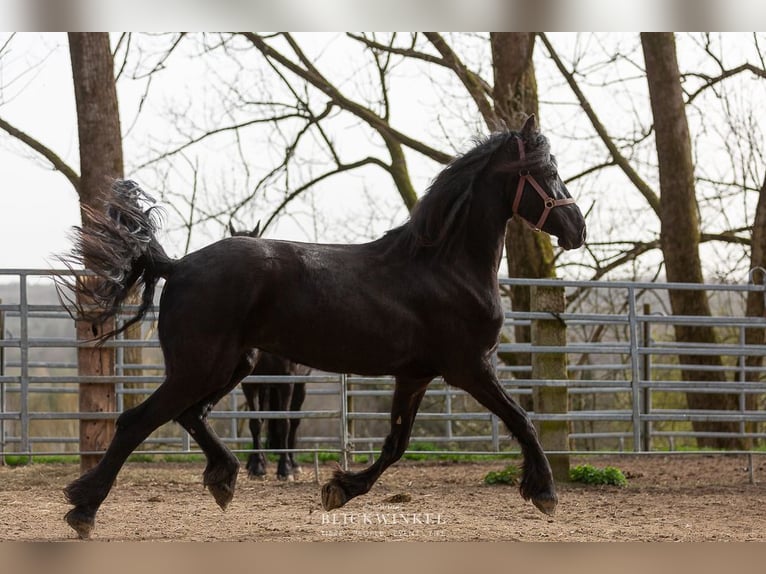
(340, 169)
(651, 197)
(310, 74)
(57, 163)
(468, 79)
(711, 81)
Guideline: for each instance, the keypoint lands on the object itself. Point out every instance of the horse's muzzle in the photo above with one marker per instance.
(574, 241)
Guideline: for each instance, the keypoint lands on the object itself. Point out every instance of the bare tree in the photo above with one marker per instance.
(100, 161)
(98, 123)
(680, 235)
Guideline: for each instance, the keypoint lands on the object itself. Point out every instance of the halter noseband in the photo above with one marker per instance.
(550, 202)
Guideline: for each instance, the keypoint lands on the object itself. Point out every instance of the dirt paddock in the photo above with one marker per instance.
(668, 498)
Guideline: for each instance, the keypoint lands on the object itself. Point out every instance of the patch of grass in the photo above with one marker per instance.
(183, 458)
(509, 475)
(23, 459)
(424, 448)
(589, 474)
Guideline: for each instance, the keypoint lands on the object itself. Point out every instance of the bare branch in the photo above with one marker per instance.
(340, 169)
(649, 194)
(710, 81)
(234, 127)
(57, 163)
(310, 74)
(468, 79)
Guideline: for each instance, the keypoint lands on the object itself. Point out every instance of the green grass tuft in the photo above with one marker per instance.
(588, 474)
(509, 475)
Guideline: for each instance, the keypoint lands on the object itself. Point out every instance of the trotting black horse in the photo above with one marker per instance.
(282, 433)
(421, 301)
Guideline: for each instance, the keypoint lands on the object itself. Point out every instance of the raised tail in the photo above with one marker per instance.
(117, 245)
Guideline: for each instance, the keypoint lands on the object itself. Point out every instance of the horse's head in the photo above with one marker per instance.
(539, 196)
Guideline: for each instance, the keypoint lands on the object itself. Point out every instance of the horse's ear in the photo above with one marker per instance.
(232, 231)
(529, 128)
(256, 232)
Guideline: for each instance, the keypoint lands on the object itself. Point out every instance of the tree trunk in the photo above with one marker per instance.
(100, 161)
(756, 306)
(679, 225)
(528, 254)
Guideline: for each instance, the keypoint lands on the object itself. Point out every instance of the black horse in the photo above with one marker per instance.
(273, 397)
(282, 433)
(419, 302)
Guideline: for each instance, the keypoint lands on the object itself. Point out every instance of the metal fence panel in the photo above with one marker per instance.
(621, 360)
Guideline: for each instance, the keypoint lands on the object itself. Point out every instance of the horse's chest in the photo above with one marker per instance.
(478, 310)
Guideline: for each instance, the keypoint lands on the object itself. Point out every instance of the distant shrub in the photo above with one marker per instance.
(509, 475)
(588, 474)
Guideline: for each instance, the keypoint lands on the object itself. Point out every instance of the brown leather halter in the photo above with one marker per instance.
(550, 202)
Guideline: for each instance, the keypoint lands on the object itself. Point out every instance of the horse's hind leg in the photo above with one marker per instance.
(537, 480)
(220, 476)
(132, 428)
(346, 485)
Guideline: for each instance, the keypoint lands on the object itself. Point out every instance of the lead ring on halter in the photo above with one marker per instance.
(548, 201)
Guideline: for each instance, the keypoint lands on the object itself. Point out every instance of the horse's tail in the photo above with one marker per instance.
(117, 244)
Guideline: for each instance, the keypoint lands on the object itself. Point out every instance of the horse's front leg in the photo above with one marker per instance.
(537, 481)
(346, 485)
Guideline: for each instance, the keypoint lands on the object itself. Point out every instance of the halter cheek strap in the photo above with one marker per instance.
(548, 201)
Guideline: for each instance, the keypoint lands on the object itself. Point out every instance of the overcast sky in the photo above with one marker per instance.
(38, 206)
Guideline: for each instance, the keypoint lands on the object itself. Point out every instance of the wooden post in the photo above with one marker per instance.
(95, 434)
(2, 387)
(554, 435)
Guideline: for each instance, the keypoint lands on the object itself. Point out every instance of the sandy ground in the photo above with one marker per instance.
(668, 498)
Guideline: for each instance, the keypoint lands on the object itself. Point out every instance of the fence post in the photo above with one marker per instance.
(95, 397)
(345, 445)
(2, 387)
(554, 435)
(646, 403)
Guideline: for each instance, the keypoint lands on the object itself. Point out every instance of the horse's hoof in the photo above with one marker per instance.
(546, 503)
(222, 493)
(297, 469)
(81, 522)
(286, 477)
(333, 496)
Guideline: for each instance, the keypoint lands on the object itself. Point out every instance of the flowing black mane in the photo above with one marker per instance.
(440, 216)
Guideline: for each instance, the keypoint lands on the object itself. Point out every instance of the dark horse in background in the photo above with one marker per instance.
(281, 433)
(421, 301)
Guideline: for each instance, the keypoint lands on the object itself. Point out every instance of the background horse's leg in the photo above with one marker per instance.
(346, 485)
(132, 428)
(279, 400)
(537, 481)
(256, 462)
(296, 403)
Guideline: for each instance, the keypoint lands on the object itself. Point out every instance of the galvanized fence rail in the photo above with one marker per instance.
(625, 392)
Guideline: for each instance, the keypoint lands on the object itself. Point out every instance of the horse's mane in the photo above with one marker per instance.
(441, 213)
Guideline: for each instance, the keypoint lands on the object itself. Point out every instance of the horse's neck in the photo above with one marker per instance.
(486, 234)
